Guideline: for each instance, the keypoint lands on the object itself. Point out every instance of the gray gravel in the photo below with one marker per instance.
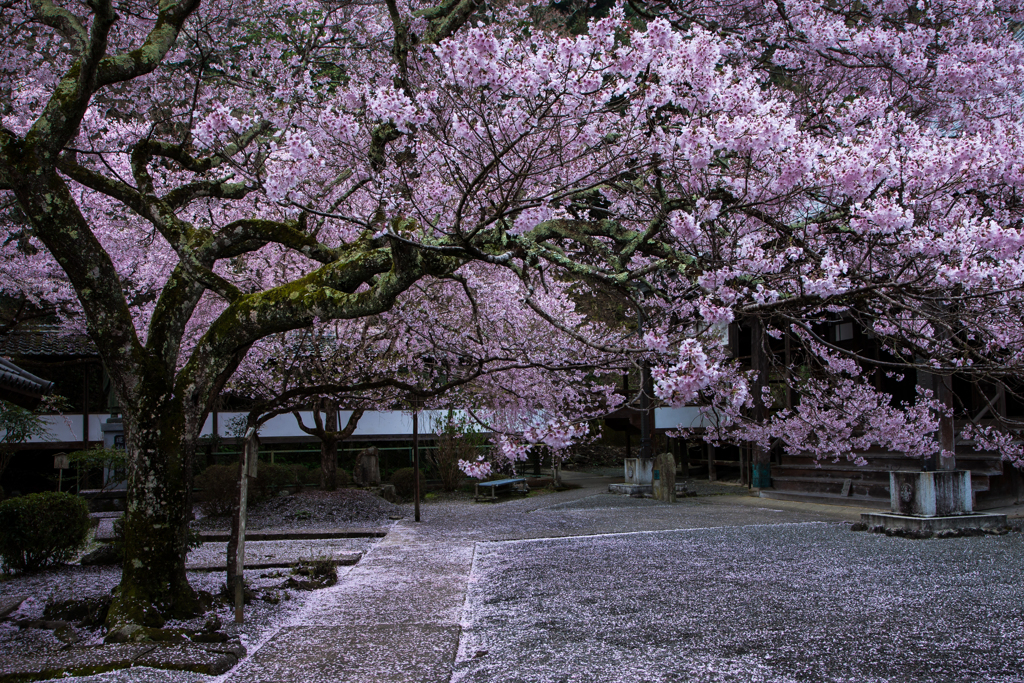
(805, 602)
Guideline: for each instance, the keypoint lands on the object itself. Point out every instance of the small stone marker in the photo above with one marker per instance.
(847, 487)
(388, 493)
(663, 486)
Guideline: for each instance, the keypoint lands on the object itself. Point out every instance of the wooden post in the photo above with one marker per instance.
(684, 457)
(646, 412)
(85, 407)
(236, 544)
(625, 390)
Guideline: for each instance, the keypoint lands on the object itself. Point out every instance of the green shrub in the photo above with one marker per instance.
(271, 478)
(305, 476)
(219, 488)
(219, 484)
(404, 481)
(41, 529)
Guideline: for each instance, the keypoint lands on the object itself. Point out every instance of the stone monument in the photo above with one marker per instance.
(663, 478)
(367, 470)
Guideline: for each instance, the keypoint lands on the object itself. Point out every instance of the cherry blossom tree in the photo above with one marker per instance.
(888, 199)
(203, 176)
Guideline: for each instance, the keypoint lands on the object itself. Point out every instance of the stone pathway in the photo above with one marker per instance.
(397, 615)
(393, 617)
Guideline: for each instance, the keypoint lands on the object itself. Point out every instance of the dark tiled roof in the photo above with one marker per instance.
(45, 341)
(21, 387)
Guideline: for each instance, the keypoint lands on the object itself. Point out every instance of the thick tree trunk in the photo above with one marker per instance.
(160, 450)
(329, 464)
(329, 448)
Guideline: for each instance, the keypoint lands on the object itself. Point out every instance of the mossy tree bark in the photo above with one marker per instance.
(161, 444)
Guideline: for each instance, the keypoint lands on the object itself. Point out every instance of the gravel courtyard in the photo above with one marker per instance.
(794, 602)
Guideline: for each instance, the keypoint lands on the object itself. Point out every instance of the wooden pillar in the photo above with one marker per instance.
(712, 472)
(947, 437)
(684, 457)
(85, 407)
(743, 465)
(646, 412)
(789, 369)
(236, 542)
(625, 390)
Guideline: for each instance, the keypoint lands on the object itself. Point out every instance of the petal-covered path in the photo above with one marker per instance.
(586, 586)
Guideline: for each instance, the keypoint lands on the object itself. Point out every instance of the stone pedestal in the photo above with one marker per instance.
(931, 502)
(639, 471)
(931, 494)
(887, 521)
(367, 470)
(663, 478)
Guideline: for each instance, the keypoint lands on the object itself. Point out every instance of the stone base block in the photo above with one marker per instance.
(639, 471)
(630, 489)
(933, 524)
(931, 494)
(642, 490)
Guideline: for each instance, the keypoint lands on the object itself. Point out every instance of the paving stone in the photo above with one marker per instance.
(384, 653)
(74, 661)
(189, 658)
(82, 661)
(298, 534)
(105, 529)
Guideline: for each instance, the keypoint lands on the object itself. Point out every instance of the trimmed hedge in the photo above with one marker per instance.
(219, 486)
(219, 483)
(42, 529)
(404, 481)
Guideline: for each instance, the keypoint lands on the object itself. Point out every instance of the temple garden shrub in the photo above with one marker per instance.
(218, 486)
(456, 440)
(404, 481)
(344, 478)
(304, 476)
(272, 478)
(41, 529)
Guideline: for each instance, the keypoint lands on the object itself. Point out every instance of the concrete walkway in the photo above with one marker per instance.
(396, 616)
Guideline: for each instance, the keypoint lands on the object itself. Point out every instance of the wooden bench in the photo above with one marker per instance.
(517, 484)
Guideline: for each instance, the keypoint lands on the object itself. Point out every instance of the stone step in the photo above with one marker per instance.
(872, 486)
(831, 486)
(826, 499)
(296, 535)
